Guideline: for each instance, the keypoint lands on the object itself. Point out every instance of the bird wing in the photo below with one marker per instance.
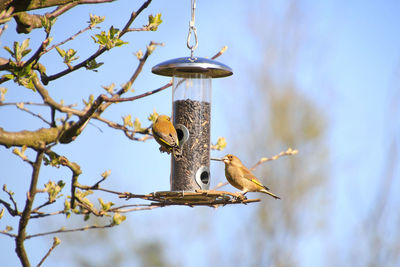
(167, 139)
(250, 176)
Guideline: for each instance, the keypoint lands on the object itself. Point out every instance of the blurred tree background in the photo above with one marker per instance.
(321, 78)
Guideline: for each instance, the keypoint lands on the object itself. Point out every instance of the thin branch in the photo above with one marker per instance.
(56, 242)
(47, 79)
(8, 234)
(39, 214)
(68, 39)
(143, 29)
(23, 222)
(128, 85)
(288, 152)
(51, 102)
(129, 133)
(39, 52)
(71, 230)
(75, 169)
(23, 108)
(10, 195)
(10, 210)
(24, 103)
(116, 100)
(219, 185)
(35, 210)
(169, 84)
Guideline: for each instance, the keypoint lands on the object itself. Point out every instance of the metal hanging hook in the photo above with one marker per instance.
(193, 29)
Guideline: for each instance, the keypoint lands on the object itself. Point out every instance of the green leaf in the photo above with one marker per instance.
(118, 219)
(93, 65)
(8, 76)
(154, 22)
(137, 126)
(60, 51)
(128, 121)
(25, 52)
(153, 116)
(9, 51)
(94, 20)
(25, 44)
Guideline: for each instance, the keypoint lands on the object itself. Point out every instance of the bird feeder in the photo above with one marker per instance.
(191, 112)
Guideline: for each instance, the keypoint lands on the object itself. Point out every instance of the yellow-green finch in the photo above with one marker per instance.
(242, 178)
(165, 134)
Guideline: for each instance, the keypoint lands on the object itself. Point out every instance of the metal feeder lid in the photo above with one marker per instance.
(185, 66)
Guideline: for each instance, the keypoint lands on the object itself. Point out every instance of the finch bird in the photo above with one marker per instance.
(242, 178)
(165, 134)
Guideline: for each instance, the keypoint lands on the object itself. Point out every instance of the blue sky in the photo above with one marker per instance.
(355, 85)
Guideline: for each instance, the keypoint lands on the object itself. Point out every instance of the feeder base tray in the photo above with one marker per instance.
(212, 198)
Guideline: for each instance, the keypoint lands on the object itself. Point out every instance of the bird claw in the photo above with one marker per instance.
(163, 149)
(240, 196)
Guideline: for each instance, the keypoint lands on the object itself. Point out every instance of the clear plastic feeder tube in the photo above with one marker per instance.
(191, 96)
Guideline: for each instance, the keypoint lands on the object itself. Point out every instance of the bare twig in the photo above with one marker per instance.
(116, 100)
(56, 242)
(68, 39)
(23, 108)
(39, 214)
(10, 210)
(219, 185)
(70, 230)
(8, 234)
(10, 195)
(288, 152)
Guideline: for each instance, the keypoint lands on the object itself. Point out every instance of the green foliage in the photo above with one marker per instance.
(90, 101)
(154, 22)
(20, 153)
(109, 39)
(52, 159)
(94, 20)
(118, 219)
(128, 120)
(19, 51)
(47, 23)
(153, 116)
(19, 72)
(68, 56)
(106, 174)
(67, 208)
(139, 54)
(5, 15)
(53, 190)
(137, 125)
(93, 65)
(3, 92)
(110, 88)
(105, 206)
(220, 145)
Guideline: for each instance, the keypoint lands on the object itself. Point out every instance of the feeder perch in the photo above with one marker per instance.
(191, 112)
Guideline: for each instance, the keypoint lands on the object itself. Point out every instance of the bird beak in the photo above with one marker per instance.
(216, 159)
(225, 159)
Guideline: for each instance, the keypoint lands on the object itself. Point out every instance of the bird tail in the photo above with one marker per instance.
(265, 191)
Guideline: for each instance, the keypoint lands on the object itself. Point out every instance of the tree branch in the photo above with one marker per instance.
(23, 222)
(56, 242)
(133, 98)
(101, 50)
(33, 139)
